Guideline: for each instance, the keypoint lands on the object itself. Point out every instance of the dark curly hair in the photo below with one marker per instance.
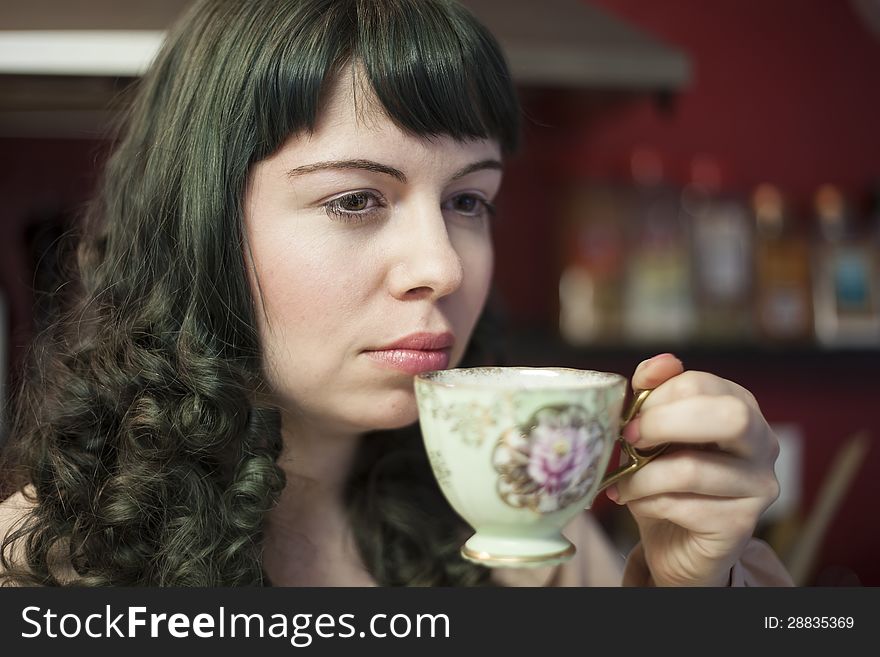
(142, 425)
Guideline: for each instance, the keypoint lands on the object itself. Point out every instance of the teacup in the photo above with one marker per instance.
(519, 451)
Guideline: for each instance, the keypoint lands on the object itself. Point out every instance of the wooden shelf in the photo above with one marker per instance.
(536, 347)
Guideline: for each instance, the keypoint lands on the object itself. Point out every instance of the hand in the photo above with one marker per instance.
(697, 504)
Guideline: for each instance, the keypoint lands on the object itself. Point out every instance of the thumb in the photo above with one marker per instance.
(654, 371)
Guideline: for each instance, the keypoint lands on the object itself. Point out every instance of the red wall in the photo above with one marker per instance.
(786, 91)
(38, 178)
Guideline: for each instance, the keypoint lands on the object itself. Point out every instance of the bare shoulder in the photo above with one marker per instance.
(13, 510)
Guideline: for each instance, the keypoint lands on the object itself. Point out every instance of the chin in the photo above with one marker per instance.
(396, 413)
(396, 421)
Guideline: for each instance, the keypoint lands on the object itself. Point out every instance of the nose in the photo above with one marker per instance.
(428, 265)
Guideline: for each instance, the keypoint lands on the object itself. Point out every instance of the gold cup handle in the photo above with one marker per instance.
(637, 459)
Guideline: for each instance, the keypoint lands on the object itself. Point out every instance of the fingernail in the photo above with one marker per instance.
(612, 493)
(650, 360)
(631, 433)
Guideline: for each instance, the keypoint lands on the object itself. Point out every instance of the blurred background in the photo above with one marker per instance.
(696, 177)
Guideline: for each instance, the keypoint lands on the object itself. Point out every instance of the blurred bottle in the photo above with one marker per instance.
(846, 304)
(723, 254)
(783, 293)
(591, 281)
(658, 300)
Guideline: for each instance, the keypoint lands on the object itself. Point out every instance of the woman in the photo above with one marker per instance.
(295, 221)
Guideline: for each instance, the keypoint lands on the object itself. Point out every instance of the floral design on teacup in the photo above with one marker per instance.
(552, 463)
(472, 421)
(438, 464)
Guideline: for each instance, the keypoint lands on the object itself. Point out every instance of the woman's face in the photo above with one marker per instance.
(372, 257)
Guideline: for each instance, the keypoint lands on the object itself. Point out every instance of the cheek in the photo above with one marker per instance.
(300, 304)
(305, 278)
(464, 307)
(478, 263)
(283, 286)
(305, 333)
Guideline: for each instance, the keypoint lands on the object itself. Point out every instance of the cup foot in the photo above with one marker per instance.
(517, 553)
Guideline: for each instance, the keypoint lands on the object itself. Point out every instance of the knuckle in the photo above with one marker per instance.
(774, 447)
(751, 398)
(734, 413)
(770, 488)
(688, 384)
(743, 392)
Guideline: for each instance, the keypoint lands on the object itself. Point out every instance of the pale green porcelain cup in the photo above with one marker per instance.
(519, 451)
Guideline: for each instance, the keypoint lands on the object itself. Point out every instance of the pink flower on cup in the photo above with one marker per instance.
(558, 455)
(552, 463)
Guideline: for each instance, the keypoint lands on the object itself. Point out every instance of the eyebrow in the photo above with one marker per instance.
(376, 167)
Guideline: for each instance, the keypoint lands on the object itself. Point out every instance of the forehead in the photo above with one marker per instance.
(348, 100)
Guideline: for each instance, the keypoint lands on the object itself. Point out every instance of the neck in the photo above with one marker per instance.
(307, 536)
(316, 461)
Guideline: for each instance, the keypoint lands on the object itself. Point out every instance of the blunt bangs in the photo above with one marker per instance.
(434, 68)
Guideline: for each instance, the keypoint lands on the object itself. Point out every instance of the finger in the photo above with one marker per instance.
(701, 473)
(652, 372)
(693, 383)
(725, 516)
(725, 420)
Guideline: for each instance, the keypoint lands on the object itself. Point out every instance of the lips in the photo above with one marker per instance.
(415, 353)
(422, 342)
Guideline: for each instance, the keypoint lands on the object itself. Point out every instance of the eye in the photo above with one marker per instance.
(470, 205)
(354, 206)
